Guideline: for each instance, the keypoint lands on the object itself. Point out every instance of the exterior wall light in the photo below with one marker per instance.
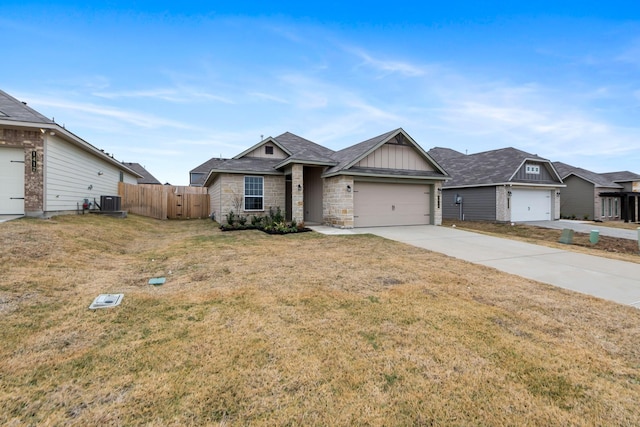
(509, 193)
(100, 173)
(348, 188)
(557, 194)
(299, 187)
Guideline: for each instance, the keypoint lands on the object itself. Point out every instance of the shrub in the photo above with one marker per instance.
(231, 218)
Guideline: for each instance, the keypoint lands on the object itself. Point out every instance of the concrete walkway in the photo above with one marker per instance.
(587, 226)
(605, 278)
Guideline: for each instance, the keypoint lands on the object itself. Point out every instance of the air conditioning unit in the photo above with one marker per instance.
(110, 203)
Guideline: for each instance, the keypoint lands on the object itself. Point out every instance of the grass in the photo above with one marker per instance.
(303, 329)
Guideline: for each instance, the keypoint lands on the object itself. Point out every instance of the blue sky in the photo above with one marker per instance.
(170, 85)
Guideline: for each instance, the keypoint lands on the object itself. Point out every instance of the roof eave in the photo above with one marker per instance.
(290, 160)
(386, 175)
(74, 139)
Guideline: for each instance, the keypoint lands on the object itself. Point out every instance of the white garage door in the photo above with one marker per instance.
(12, 181)
(380, 204)
(530, 205)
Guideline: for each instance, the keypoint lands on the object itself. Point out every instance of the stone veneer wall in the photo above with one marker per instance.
(337, 206)
(297, 197)
(30, 140)
(232, 195)
(503, 208)
(436, 215)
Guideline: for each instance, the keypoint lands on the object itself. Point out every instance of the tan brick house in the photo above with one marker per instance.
(386, 180)
(47, 170)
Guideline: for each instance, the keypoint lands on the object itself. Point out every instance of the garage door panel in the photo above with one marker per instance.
(12, 179)
(530, 205)
(381, 204)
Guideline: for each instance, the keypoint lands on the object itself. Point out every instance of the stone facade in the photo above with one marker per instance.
(436, 214)
(337, 207)
(232, 195)
(33, 143)
(297, 197)
(503, 204)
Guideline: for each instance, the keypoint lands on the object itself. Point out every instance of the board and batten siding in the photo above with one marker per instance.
(478, 204)
(395, 156)
(577, 199)
(260, 152)
(72, 175)
(544, 176)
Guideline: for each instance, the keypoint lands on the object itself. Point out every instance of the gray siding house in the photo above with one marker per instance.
(589, 195)
(385, 180)
(47, 170)
(505, 185)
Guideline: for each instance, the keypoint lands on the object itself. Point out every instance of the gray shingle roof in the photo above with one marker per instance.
(247, 164)
(599, 180)
(12, 109)
(622, 176)
(348, 155)
(303, 149)
(489, 167)
(147, 178)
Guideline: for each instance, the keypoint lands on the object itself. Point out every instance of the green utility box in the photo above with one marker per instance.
(594, 237)
(567, 236)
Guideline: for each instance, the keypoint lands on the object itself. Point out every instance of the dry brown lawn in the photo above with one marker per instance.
(306, 329)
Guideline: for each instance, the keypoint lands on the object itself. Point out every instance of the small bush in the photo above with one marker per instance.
(231, 218)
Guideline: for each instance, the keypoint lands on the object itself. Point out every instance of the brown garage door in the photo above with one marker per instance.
(381, 204)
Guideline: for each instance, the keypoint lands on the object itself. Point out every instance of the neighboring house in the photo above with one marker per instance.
(588, 195)
(386, 180)
(629, 196)
(145, 176)
(47, 170)
(505, 185)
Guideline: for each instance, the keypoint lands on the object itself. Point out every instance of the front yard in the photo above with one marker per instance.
(300, 329)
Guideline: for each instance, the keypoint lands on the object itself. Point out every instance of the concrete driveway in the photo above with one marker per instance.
(613, 280)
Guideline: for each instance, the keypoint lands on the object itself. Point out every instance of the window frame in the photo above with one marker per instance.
(254, 197)
(268, 150)
(532, 169)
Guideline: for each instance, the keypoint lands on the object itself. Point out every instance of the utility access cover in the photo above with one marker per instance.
(106, 300)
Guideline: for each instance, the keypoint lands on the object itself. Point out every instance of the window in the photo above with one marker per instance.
(121, 176)
(616, 210)
(268, 149)
(533, 169)
(253, 193)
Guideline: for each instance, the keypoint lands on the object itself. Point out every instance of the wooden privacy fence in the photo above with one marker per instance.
(164, 201)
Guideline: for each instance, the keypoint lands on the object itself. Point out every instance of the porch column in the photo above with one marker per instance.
(297, 193)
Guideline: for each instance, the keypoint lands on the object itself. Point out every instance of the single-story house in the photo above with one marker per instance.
(386, 180)
(47, 170)
(505, 185)
(629, 195)
(582, 198)
(145, 175)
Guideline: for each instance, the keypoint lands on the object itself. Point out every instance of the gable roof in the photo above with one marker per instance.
(146, 177)
(622, 176)
(301, 150)
(598, 180)
(16, 113)
(349, 156)
(298, 149)
(485, 168)
(13, 110)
